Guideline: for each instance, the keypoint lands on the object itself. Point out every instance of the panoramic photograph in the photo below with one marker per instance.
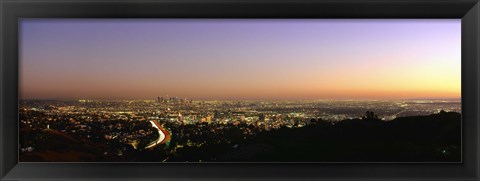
(240, 90)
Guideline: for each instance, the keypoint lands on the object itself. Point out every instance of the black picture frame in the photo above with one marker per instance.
(466, 10)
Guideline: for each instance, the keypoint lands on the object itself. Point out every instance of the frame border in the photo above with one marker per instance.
(12, 10)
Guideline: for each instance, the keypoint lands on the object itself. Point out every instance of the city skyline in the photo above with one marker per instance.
(239, 59)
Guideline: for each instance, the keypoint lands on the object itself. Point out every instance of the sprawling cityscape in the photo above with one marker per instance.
(240, 90)
(124, 130)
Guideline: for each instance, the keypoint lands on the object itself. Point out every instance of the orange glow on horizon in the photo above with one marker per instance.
(244, 59)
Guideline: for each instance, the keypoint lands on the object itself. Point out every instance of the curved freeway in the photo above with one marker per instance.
(163, 135)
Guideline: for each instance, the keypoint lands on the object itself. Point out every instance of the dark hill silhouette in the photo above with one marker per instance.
(52, 145)
(433, 138)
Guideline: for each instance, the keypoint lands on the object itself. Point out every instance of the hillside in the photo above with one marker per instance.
(433, 138)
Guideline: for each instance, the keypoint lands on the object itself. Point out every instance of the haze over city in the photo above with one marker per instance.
(237, 90)
(239, 59)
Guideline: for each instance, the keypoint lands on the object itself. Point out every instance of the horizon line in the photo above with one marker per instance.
(218, 99)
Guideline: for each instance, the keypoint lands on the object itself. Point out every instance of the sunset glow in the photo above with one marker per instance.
(239, 59)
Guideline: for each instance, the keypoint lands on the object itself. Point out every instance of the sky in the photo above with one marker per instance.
(239, 58)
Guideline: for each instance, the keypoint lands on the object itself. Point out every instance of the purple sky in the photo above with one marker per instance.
(239, 59)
